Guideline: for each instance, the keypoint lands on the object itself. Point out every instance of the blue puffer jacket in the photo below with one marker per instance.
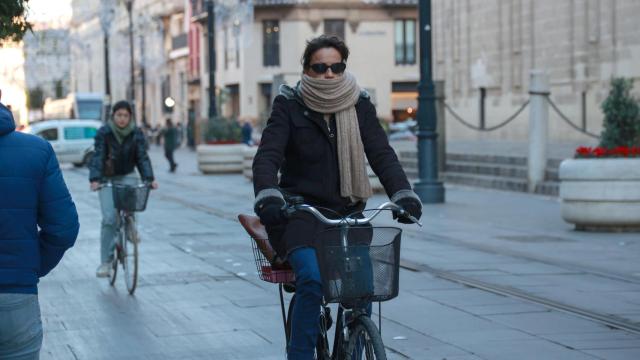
(38, 219)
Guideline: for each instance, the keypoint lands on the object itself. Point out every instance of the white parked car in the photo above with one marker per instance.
(72, 140)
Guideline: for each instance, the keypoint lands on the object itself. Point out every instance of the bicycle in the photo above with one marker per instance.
(127, 199)
(358, 264)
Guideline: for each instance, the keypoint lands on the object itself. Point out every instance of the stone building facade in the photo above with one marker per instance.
(580, 44)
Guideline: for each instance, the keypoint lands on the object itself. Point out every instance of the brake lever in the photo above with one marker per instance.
(288, 211)
(415, 221)
(405, 214)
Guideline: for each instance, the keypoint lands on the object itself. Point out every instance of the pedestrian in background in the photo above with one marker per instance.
(119, 147)
(170, 134)
(247, 130)
(38, 223)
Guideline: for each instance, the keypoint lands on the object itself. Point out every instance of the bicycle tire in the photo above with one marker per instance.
(116, 256)
(130, 256)
(371, 344)
(288, 324)
(320, 349)
(114, 271)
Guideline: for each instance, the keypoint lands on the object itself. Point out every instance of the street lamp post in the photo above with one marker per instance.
(428, 188)
(143, 81)
(132, 91)
(212, 58)
(106, 17)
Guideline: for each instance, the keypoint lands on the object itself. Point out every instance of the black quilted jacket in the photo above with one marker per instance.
(126, 156)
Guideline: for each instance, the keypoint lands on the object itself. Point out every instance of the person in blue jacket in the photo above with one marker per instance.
(38, 223)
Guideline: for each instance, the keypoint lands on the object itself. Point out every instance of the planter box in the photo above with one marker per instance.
(601, 194)
(220, 159)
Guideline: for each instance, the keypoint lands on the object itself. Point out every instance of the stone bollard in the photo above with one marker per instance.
(538, 128)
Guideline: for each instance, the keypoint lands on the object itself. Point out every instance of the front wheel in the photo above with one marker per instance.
(365, 341)
(114, 269)
(130, 255)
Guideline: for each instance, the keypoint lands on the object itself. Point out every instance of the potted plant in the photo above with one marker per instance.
(600, 187)
(222, 151)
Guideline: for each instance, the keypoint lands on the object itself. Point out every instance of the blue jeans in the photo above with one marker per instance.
(20, 327)
(306, 310)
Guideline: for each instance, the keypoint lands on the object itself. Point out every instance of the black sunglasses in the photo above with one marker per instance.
(337, 68)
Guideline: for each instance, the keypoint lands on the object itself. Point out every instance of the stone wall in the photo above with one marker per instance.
(581, 44)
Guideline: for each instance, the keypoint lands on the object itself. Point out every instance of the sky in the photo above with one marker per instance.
(49, 11)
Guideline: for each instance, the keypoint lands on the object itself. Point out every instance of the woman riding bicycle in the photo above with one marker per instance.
(119, 147)
(317, 136)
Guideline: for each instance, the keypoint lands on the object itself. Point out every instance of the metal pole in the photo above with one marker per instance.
(132, 90)
(106, 17)
(483, 97)
(107, 81)
(212, 58)
(428, 187)
(442, 138)
(143, 82)
(584, 110)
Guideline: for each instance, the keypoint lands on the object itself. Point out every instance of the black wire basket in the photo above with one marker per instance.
(130, 198)
(276, 273)
(367, 269)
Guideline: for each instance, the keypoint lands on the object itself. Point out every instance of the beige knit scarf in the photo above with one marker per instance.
(339, 96)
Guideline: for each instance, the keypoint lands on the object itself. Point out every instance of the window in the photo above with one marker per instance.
(79, 133)
(90, 109)
(234, 97)
(271, 43)
(405, 42)
(334, 27)
(59, 89)
(49, 134)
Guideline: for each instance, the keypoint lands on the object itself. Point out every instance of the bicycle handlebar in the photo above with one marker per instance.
(350, 220)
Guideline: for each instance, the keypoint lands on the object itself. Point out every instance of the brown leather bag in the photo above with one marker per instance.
(108, 169)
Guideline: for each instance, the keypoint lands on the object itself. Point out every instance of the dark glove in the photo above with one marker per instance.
(270, 209)
(409, 201)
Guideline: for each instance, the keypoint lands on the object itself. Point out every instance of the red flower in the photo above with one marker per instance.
(622, 151)
(583, 151)
(599, 151)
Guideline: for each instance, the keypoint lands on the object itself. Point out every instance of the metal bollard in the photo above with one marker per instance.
(442, 137)
(538, 128)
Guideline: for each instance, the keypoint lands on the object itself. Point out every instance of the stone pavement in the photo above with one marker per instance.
(200, 298)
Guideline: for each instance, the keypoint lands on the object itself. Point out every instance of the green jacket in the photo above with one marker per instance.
(170, 138)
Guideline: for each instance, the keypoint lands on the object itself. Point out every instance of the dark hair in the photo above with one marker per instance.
(122, 104)
(321, 42)
(169, 123)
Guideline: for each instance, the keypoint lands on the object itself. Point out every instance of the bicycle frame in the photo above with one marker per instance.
(345, 317)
